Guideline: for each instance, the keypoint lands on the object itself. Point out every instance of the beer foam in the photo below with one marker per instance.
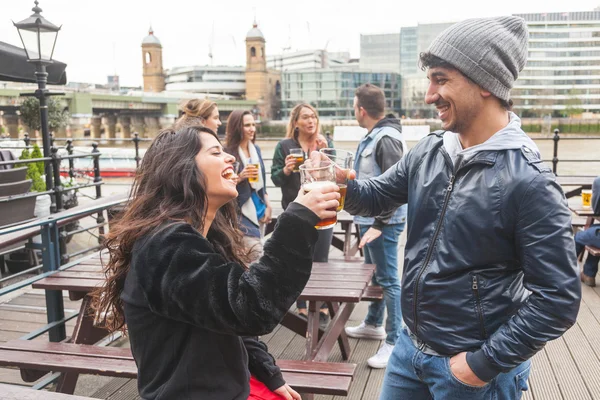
(315, 185)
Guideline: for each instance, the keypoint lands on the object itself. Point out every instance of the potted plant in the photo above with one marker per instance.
(21, 260)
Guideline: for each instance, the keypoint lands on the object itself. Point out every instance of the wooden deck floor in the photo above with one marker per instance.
(567, 369)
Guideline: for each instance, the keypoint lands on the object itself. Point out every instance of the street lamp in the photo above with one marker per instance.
(39, 38)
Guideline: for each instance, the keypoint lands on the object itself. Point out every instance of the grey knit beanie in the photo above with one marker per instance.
(490, 51)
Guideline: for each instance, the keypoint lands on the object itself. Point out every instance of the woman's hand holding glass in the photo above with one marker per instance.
(249, 172)
(323, 200)
(290, 164)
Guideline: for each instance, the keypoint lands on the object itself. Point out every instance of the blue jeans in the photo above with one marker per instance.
(412, 374)
(589, 237)
(383, 252)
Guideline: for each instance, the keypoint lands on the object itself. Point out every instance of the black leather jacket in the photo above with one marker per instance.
(490, 264)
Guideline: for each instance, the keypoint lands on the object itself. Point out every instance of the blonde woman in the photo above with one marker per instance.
(303, 131)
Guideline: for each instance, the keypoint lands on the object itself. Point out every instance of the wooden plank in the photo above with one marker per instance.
(71, 284)
(326, 368)
(128, 391)
(63, 363)
(328, 284)
(316, 383)
(363, 350)
(567, 375)
(111, 387)
(50, 348)
(323, 294)
(85, 268)
(78, 274)
(13, 392)
(334, 276)
(587, 362)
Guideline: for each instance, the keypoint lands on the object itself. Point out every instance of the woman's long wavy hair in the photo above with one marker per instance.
(168, 186)
(235, 131)
(291, 132)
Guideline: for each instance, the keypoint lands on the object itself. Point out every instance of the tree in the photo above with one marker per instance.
(33, 169)
(573, 103)
(57, 115)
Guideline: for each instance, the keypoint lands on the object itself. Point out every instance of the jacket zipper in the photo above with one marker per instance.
(430, 250)
(475, 288)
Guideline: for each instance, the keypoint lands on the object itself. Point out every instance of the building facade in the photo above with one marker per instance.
(399, 53)
(380, 52)
(331, 91)
(307, 59)
(221, 81)
(562, 75)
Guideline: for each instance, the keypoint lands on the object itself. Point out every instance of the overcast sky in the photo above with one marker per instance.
(99, 38)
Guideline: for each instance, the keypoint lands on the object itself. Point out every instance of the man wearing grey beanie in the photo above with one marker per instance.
(490, 273)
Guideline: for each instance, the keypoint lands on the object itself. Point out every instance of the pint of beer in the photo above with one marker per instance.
(343, 159)
(317, 176)
(586, 198)
(327, 222)
(253, 178)
(298, 154)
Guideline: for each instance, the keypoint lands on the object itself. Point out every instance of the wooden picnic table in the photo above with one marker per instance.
(587, 212)
(340, 284)
(578, 182)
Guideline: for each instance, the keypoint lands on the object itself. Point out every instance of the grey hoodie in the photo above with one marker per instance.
(509, 137)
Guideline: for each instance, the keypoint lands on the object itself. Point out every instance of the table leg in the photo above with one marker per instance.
(312, 331)
(343, 338)
(84, 333)
(334, 331)
(347, 238)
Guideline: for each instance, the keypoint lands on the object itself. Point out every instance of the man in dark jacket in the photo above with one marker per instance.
(490, 273)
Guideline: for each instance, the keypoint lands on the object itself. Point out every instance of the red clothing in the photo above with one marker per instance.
(258, 391)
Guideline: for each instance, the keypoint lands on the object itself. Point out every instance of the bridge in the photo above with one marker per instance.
(102, 113)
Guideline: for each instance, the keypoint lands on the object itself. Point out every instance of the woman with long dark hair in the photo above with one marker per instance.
(178, 274)
(253, 201)
(303, 132)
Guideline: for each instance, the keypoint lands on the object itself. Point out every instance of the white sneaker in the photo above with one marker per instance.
(380, 360)
(365, 331)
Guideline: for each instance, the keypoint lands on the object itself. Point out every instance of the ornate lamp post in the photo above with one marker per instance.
(39, 38)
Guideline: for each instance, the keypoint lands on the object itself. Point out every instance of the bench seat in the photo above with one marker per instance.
(304, 376)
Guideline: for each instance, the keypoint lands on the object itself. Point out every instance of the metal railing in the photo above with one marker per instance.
(49, 230)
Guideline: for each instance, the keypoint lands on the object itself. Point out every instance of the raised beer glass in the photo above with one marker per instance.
(344, 160)
(313, 177)
(298, 154)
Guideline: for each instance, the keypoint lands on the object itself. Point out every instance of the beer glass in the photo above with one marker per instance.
(253, 166)
(313, 177)
(586, 198)
(298, 154)
(344, 160)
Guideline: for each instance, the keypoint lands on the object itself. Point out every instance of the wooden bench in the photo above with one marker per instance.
(304, 376)
(372, 293)
(14, 392)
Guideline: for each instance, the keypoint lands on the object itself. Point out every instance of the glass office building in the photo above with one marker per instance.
(380, 52)
(562, 76)
(331, 91)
